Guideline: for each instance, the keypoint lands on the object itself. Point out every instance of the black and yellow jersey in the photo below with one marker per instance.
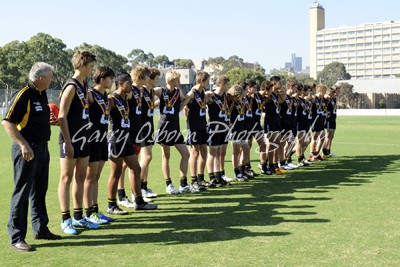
(29, 110)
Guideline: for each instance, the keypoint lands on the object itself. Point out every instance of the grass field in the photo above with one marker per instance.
(343, 212)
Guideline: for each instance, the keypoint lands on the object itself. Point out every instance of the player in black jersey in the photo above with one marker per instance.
(217, 129)
(288, 123)
(149, 103)
(168, 132)
(272, 122)
(303, 124)
(74, 145)
(318, 112)
(237, 133)
(121, 148)
(195, 111)
(140, 77)
(330, 122)
(99, 117)
(253, 110)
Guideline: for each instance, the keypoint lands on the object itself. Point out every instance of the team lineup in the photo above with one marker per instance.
(96, 127)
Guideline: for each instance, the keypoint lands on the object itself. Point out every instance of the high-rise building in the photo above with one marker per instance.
(296, 64)
(368, 51)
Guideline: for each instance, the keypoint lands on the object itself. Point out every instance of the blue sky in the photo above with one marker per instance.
(261, 31)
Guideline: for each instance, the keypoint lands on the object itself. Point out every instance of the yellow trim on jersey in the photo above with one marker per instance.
(10, 111)
(24, 121)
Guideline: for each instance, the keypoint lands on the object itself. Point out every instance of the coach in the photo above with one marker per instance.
(27, 123)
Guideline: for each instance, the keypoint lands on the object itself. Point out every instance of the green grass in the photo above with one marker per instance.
(343, 212)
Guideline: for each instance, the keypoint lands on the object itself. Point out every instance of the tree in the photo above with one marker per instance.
(43, 47)
(347, 98)
(332, 73)
(163, 61)
(107, 57)
(17, 58)
(183, 63)
(137, 57)
(236, 75)
(232, 62)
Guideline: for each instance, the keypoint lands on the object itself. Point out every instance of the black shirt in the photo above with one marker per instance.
(135, 111)
(196, 119)
(78, 113)
(99, 112)
(30, 112)
(170, 102)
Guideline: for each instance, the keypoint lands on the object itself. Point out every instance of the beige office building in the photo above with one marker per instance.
(368, 51)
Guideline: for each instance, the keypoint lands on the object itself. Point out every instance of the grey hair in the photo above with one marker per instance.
(39, 69)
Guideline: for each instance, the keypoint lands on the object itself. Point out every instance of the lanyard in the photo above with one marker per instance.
(136, 95)
(258, 100)
(100, 101)
(171, 101)
(120, 106)
(221, 105)
(248, 103)
(148, 97)
(200, 99)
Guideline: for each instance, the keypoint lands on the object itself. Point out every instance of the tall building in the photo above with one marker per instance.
(368, 51)
(296, 64)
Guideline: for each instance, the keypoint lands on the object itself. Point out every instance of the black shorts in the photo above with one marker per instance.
(197, 137)
(169, 138)
(216, 138)
(81, 150)
(236, 136)
(272, 126)
(122, 149)
(330, 124)
(286, 126)
(98, 151)
(318, 124)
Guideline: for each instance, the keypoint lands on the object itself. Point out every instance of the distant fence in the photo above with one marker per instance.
(53, 96)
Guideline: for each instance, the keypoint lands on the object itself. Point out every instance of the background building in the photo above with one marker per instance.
(368, 51)
(295, 65)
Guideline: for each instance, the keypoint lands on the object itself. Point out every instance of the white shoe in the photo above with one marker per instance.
(241, 178)
(184, 189)
(290, 164)
(146, 199)
(171, 190)
(148, 193)
(194, 188)
(307, 162)
(227, 179)
(125, 202)
(286, 167)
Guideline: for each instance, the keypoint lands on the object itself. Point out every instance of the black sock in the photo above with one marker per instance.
(121, 194)
(325, 151)
(218, 176)
(223, 172)
(139, 200)
(211, 175)
(300, 159)
(237, 171)
(168, 181)
(65, 215)
(78, 214)
(241, 169)
(248, 166)
(112, 202)
(200, 178)
(194, 179)
(143, 185)
(88, 211)
(282, 163)
(95, 208)
(183, 181)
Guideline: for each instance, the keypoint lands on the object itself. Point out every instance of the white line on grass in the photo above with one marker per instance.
(371, 144)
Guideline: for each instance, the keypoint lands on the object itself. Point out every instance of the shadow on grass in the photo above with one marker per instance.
(227, 213)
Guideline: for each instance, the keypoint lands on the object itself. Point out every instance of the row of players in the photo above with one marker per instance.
(95, 127)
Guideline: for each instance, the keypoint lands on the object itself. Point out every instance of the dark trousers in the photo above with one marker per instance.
(31, 182)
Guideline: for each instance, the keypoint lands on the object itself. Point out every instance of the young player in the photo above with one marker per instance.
(330, 122)
(168, 132)
(197, 130)
(74, 145)
(121, 148)
(217, 129)
(99, 117)
(318, 112)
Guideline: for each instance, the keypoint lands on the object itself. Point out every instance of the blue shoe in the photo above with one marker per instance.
(94, 218)
(104, 217)
(85, 223)
(68, 228)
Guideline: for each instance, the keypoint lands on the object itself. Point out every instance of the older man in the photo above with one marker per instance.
(27, 123)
